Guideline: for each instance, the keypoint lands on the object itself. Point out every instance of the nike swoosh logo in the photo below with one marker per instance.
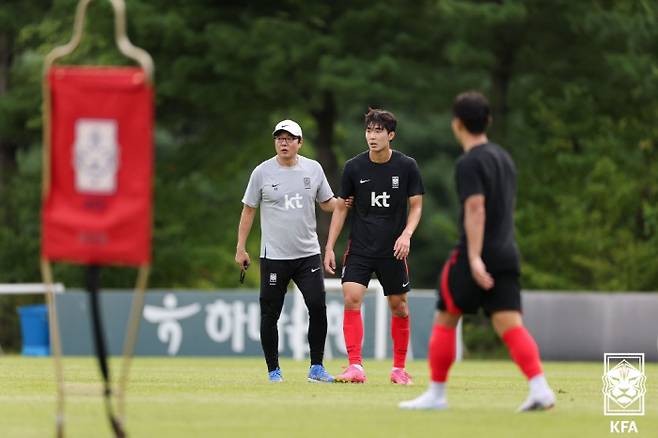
(405, 284)
(363, 181)
(315, 269)
(275, 185)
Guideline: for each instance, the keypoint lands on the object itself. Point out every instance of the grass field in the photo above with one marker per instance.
(220, 397)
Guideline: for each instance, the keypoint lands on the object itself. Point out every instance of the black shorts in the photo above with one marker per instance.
(458, 292)
(307, 273)
(393, 274)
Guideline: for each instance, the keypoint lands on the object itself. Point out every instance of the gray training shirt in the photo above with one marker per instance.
(287, 197)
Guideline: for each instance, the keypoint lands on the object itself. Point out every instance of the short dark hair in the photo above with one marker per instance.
(380, 117)
(472, 108)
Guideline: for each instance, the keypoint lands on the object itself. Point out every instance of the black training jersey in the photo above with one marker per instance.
(381, 192)
(489, 170)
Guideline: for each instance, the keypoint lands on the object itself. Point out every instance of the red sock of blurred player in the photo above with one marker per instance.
(442, 352)
(524, 351)
(400, 333)
(353, 333)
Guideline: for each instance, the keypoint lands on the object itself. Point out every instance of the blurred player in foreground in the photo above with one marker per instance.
(483, 270)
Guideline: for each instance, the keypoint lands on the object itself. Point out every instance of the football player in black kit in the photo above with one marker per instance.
(483, 270)
(388, 198)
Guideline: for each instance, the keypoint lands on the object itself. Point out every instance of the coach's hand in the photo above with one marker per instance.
(329, 261)
(480, 274)
(242, 258)
(401, 247)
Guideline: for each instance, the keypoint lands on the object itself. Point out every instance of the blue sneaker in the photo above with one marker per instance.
(317, 374)
(275, 376)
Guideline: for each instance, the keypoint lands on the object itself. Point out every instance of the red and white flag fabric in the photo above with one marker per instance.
(98, 207)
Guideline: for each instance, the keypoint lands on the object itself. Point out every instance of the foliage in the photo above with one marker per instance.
(573, 86)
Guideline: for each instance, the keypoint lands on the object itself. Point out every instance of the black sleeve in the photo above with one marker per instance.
(469, 179)
(347, 182)
(415, 180)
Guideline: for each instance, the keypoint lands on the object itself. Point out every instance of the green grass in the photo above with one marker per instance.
(220, 397)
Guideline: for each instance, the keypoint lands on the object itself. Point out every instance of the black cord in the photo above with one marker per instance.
(92, 282)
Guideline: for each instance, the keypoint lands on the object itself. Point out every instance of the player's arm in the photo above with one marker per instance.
(330, 205)
(246, 221)
(474, 220)
(403, 243)
(324, 191)
(337, 221)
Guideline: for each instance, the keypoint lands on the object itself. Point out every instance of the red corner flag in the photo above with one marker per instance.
(98, 207)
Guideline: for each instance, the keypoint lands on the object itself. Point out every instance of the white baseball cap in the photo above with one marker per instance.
(289, 126)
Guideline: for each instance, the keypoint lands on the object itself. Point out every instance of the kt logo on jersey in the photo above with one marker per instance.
(379, 200)
(293, 202)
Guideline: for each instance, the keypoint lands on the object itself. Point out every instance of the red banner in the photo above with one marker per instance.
(98, 207)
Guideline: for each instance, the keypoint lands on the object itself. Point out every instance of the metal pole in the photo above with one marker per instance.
(53, 327)
(131, 338)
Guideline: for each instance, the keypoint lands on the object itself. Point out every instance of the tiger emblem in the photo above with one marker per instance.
(624, 384)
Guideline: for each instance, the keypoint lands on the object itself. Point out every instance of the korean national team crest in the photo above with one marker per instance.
(624, 384)
(96, 156)
(395, 182)
(307, 182)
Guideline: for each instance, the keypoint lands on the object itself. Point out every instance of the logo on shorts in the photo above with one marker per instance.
(395, 182)
(315, 269)
(624, 384)
(307, 182)
(272, 278)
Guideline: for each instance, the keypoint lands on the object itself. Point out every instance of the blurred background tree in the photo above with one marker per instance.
(573, 86)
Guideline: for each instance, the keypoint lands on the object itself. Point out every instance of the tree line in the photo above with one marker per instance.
(573, 86)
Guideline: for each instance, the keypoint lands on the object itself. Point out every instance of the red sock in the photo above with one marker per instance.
(353, 333)
(442, 352)
(400, 333)
(524, 351)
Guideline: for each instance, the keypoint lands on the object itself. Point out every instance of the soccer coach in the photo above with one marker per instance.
(286, 187)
